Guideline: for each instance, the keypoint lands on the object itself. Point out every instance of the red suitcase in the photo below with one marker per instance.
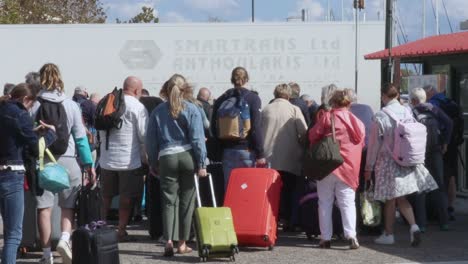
(253, 194)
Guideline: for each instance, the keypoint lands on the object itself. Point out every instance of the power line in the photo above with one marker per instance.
(433, 9)
(446, 14)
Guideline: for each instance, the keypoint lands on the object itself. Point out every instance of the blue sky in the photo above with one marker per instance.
(409, 12)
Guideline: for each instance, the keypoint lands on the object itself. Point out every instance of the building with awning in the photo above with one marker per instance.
(442, 54)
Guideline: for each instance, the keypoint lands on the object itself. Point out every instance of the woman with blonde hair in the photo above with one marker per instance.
(176, 150)
(71, 139)
(342, 182)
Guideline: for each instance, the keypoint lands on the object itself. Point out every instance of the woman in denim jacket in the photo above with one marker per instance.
(16, 134)
(176, 149)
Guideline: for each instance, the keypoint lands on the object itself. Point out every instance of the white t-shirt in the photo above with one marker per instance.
(125, 143)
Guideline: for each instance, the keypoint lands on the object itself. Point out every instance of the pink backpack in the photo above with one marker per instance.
(409, 148)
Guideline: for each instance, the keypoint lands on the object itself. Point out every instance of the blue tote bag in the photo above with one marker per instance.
(53, 177)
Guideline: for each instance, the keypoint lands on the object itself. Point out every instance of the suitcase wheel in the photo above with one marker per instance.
(270, 248)
(205, 252)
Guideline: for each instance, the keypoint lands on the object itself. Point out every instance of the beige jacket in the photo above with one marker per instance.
(284, 128)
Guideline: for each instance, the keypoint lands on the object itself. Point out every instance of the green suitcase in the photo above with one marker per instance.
(214, 227)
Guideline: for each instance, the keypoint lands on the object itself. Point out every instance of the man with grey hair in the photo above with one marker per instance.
(295, 100)
(284, 130)
(451, 157)
(327, 92)
(439, 131)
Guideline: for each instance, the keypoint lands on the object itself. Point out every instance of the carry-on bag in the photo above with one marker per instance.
(52, 176)
(214, 228)
(154, 206)
(95, 243)
(253, 194)
(323, 157)
(88, 203)
(371, 210)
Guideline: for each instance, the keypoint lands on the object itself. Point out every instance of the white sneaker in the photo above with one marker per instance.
(385, 239)
(64, 249)
(47, 260)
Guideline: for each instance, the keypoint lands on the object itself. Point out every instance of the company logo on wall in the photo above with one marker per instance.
(140, 54)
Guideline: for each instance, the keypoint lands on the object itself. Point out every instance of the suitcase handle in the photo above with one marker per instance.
(197, 187)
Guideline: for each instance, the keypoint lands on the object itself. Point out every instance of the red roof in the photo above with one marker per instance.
(431, 46)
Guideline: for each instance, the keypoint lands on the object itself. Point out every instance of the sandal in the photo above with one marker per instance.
(168, 252)
(186, 250)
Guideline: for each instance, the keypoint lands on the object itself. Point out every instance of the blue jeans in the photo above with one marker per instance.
(236, 158)
(12, 210)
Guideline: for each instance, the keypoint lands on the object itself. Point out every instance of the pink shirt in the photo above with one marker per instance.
(350, 133)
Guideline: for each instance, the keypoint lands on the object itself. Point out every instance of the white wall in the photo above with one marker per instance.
(101, 56)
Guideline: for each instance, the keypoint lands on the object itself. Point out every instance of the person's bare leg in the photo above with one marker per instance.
(406, 210)
(45, 226)
(68, 216)
(45, 230)
(125, 209)
(389, 216)
(106, 204)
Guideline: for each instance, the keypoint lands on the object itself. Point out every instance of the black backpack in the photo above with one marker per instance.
(452, 109)
(109, 112)
(54, 114)
(428, 119)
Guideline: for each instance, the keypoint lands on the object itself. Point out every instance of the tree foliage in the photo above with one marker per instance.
(145, 16)
(51, 11)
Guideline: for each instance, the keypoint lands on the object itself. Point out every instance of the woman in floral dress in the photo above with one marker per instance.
(392, 181)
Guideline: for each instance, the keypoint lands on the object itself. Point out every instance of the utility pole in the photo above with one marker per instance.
(424, 19)
(437, 17)
(253, 11)
(358, 6)
(388, 65)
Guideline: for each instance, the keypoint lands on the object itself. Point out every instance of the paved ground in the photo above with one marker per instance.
(437, 247)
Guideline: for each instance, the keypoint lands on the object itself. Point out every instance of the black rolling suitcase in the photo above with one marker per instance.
(95, 244)
(153, 206)
(88, 204)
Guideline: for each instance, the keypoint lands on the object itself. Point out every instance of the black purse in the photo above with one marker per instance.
(324, 157)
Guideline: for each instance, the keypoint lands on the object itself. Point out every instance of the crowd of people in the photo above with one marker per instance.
(177, 135)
